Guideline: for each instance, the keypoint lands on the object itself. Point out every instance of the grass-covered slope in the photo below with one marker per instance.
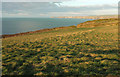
(72, 51)
(100, 22)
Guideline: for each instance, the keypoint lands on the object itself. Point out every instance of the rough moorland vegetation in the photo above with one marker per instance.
(100, 22)
(72, 51)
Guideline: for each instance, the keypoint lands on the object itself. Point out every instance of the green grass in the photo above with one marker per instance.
(72, 51)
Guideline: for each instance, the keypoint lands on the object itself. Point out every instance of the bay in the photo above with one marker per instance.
(19, 25)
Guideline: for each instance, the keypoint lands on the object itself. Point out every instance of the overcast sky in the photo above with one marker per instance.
(64, 8)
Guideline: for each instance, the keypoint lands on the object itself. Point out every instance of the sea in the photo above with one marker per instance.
(19, 25)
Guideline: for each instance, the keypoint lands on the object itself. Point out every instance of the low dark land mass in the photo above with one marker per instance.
(91, 48)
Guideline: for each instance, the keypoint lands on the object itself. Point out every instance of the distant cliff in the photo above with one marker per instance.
(90, 17)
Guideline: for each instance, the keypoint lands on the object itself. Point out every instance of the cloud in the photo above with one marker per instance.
(44, 9)
(23, 14)
(106, 11)
(33, 0)
(86, 13)
(88, 2)
(15, 14)
(42, 14)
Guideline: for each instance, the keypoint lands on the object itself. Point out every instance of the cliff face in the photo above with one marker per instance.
(89, 17)
(100, 22)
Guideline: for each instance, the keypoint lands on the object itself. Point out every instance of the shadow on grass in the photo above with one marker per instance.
(53, 70)
(114, 51)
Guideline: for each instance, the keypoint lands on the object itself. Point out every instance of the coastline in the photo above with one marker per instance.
(48, 29)
(36, 31)
(90, 17)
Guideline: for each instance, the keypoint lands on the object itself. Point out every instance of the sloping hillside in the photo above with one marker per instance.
(67, 52)
(100, 22)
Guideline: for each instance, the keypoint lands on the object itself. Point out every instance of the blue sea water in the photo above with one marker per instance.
(18, 25)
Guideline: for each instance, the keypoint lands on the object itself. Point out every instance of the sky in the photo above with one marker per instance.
(64, 8)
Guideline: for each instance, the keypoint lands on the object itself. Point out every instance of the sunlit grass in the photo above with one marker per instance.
(72, 51)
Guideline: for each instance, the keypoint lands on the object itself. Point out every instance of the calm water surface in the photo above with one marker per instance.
(18, 25)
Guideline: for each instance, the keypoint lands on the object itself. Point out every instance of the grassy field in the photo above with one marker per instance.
(69, 51)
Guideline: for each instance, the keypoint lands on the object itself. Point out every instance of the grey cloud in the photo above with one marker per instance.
(27, 6)
(37, 8)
